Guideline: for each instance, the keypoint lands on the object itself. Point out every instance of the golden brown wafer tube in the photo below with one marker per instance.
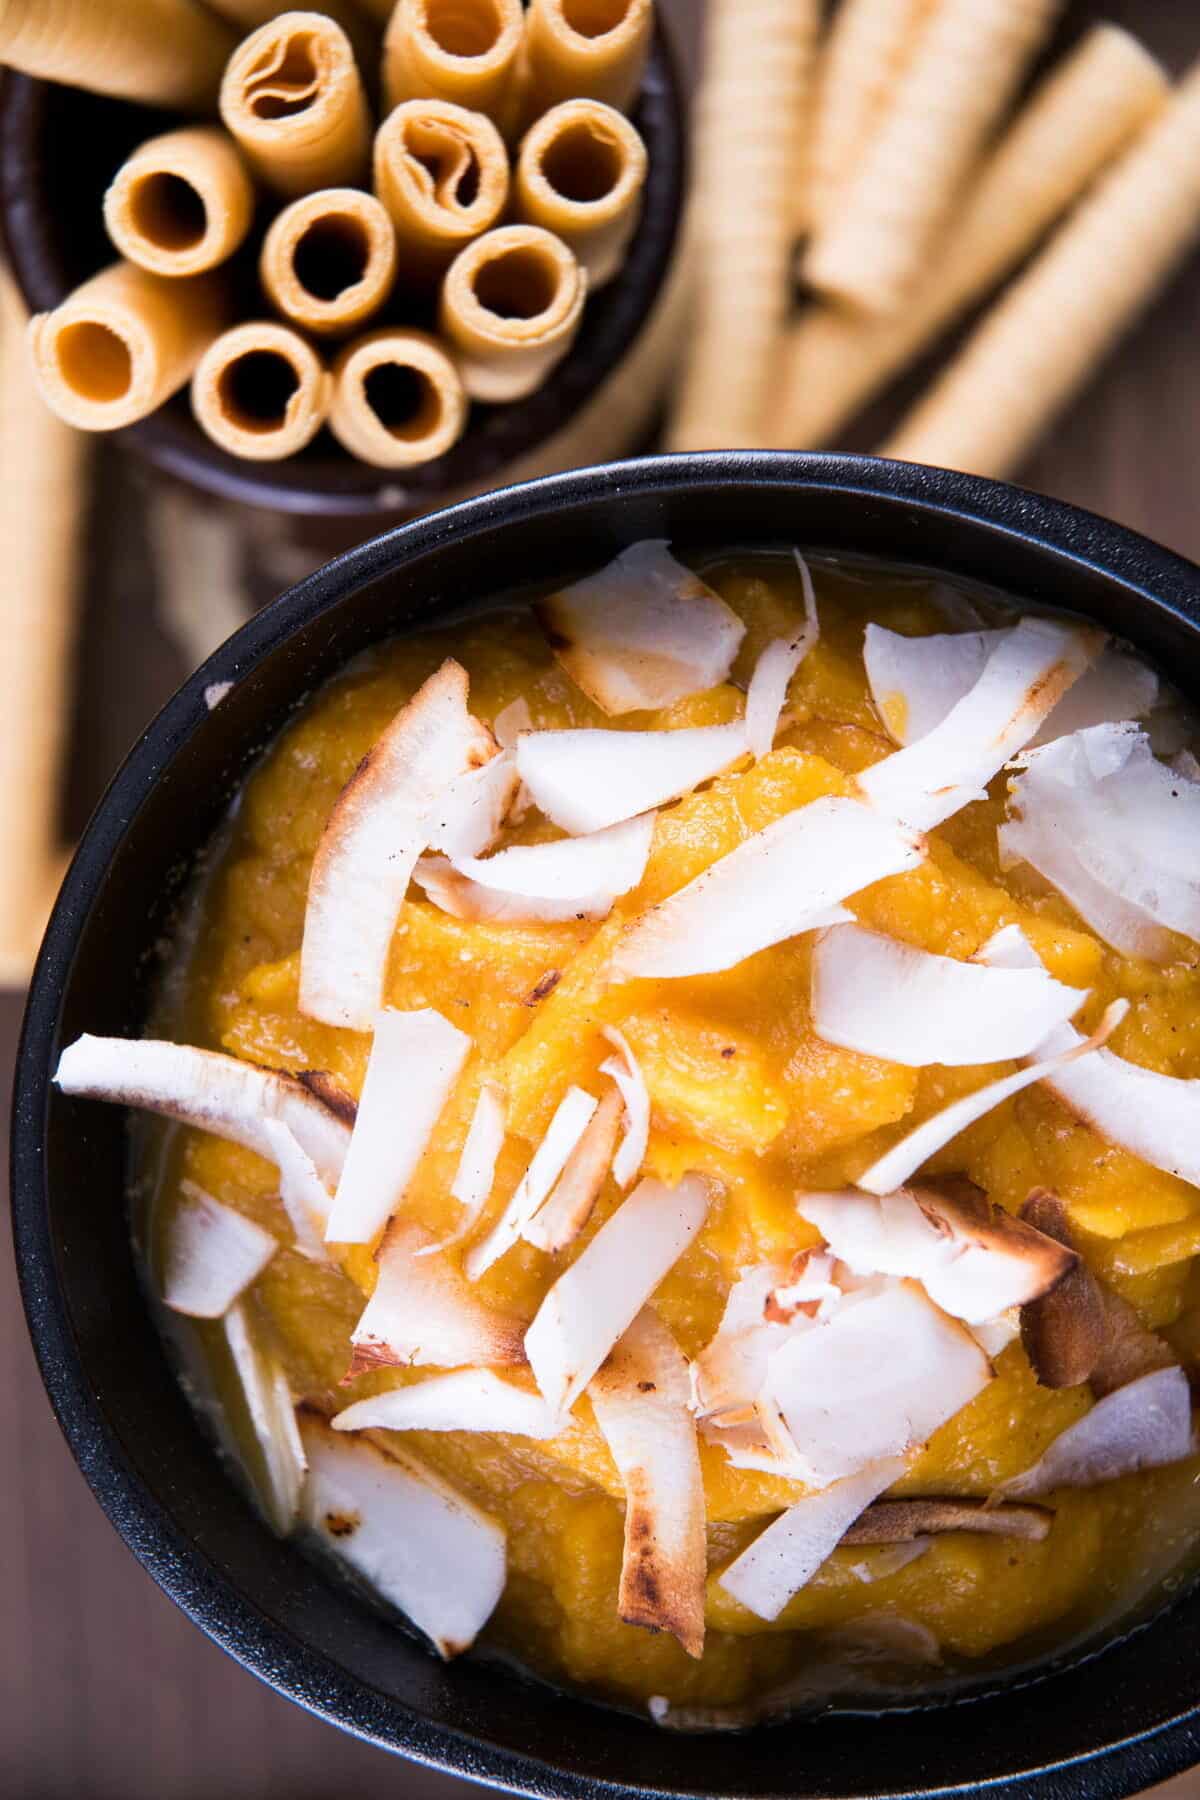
(442, 173)
(398, 399)
(1049, 333)
(962, 73)
(41, 496)
(182, 203)
(328, 260)
(580, 173)
(123, 343)
(460, 50)
(510, 307)
(355, 21)
(261, 392)
(869, 43)
(1083, 114)
(161, 52)
(293, 98)
(747, 138)
(591, 49)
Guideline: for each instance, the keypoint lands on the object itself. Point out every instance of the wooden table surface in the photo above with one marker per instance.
(106, 1691)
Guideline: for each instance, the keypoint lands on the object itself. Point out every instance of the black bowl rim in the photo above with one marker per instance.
(1061, 533)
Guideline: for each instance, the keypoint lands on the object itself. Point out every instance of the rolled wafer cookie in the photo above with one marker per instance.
(182, 203)
(460, 50)
(160, 52)
(868, 45)
(580, 173)
(328, 260)
(261, 391)
(510, 308)
(442, 173)
(293, 98)
(594, 49)
(398, 400)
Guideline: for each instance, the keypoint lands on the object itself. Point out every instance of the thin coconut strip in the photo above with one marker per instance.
(1142, 1426)
(369, 848)
(640, 1399)
(470, 813)
(414, 1063)
(476, 1173)
(786, 1556)
(466, 1400)
(272, 1416)
(626, 1072)
(421, 1546)
(511, 721)
(423, 1312)
(585, 781)
(900, 1163)
(730, 1370)
(1024, 678)
(572, 878)
(596, 1300)
(788, 878)
(214, 1093)
(571, 1118)
(304, 1196)
(767, 693)
(556, 1225)
(904, 1521)
(873, 994)
(643, 632)
(211, 1254)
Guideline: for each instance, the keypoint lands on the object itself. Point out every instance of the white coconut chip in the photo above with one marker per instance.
(873, 994)
(304, 1196)
(811, 1290)
(476, 1173)
(470, 813)
(414, 1063)
(1024, 678)
(571, 1118)
(786, 1556)
(211, 1254)
(572, 878)
(511, 721)
(1140, 1426)
(556, 1225)
(729, 1372)
(1112, 829)
(643, 632)
(202, 1088)
(890, 1559)
(895, 1167)
(626, 1072)
(767, 693)
(640, 1398)
(465, 1400)
(416, 1541)
(272, 1414)
(587, 780)
(788, 878)
(422, 1312)
(370, 845)
(595, 1301)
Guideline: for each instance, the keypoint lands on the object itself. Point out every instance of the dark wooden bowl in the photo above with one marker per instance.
(59, 149)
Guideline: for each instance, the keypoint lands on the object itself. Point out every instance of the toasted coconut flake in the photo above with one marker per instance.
(572, 878)
(1112, 829)
(476, 1172)
(586, 780)
(558, 1223)
(767, 693)
(371, 843)
(786, 1556)
(203, 1088)
(873, 994)
(891, 1560)
(423, 1312)
(1141, 1426)
(783, 880)
(417, 1542)
(329, 1091)
(729, 1372)
(470, 813)
(272, 1415)
(903, 1521)
(626, 1072)
(640, 1399)
(571, 1119)
(811, 1289)
(466, 1400)
(304, 1196)
(1024, 678)
(595, 1301)
(995, 1335)
(511, 721)
(415, 1061)
(643, 632)
(897, 1165)
(211, 1255)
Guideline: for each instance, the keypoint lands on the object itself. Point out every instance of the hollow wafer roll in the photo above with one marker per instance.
(398, 399)
(747, 137)
(329, 259)
(1048, 334)
(869, 43)
(442, 173)
(1083, 114)
(510, 307)
(293, 98)
(588, 49)
(260, 391)
(161, 52)
(355, 21)
(580, 173)
(962, 73)
(123, 343)
(182, 202)
(460, 50)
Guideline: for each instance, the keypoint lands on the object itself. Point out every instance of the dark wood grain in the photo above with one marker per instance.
(106, 1691)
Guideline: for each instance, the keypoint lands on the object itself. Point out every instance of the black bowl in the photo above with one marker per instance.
(52, 225)
(1101, 1725)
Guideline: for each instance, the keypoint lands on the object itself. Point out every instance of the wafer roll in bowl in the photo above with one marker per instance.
(261, 391)
(398, 400)
(460, 50)
(593, 48)
(182, 203)
(294, 100)
(511, 305)
(580, 173)
(328, 260)
(159, 52)
(442, 173)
